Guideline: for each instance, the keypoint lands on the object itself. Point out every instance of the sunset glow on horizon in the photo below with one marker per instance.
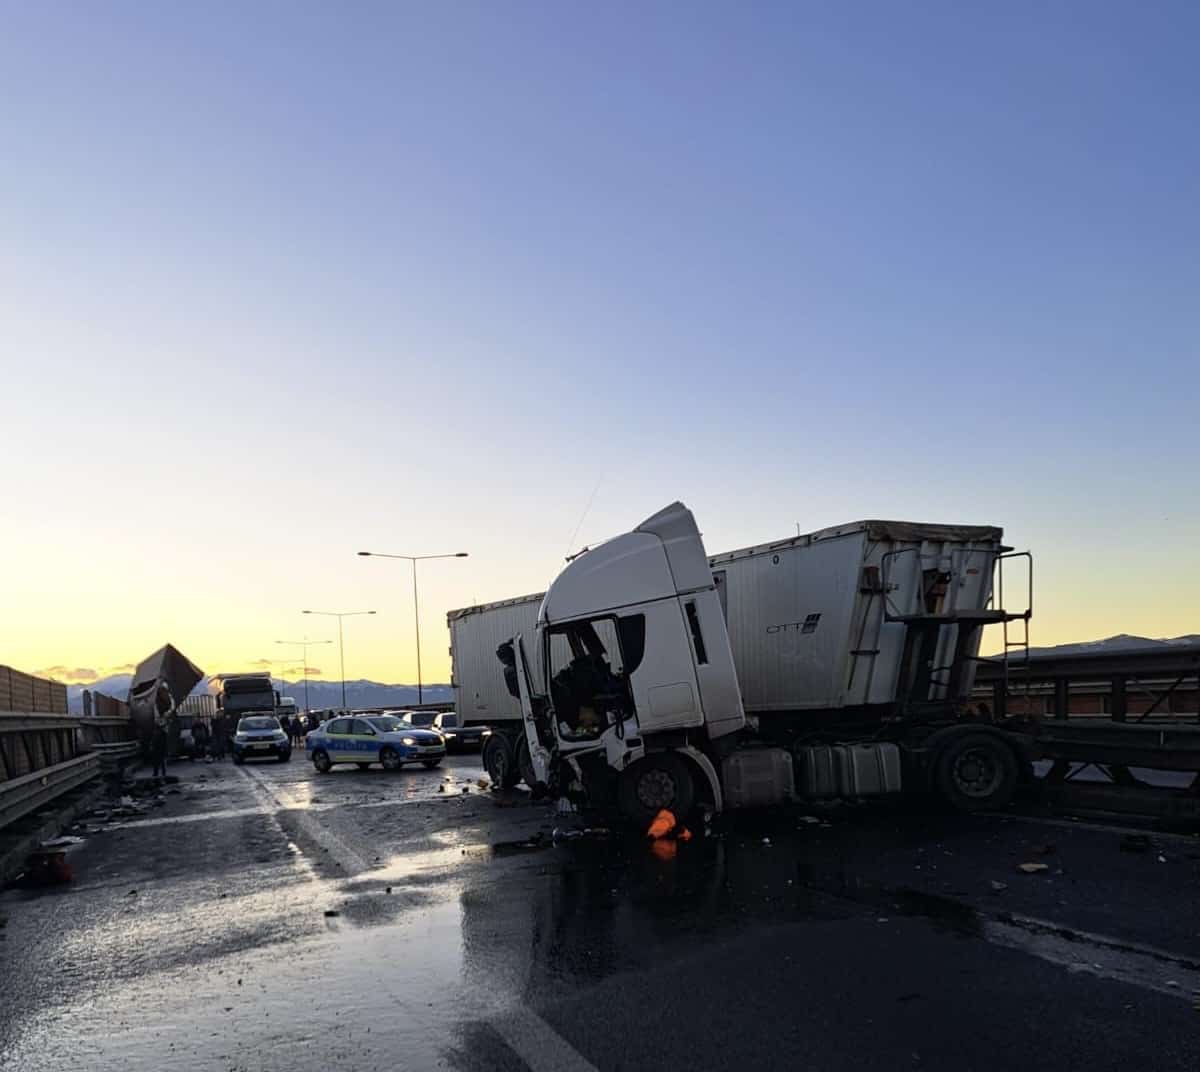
(279, 286)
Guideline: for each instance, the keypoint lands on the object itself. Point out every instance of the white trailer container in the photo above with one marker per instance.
(834, 620)
(480, 695)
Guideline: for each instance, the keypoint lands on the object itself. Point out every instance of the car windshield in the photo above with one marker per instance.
(386, 723)
(251, 724)
(421, 718)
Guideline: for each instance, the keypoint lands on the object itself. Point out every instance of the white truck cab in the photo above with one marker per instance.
(630, 674)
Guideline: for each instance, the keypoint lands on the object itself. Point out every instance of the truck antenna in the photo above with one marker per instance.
(582, 517)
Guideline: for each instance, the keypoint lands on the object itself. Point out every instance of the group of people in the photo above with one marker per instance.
(296, 726)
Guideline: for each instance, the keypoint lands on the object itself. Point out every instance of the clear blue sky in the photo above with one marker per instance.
(306, 277)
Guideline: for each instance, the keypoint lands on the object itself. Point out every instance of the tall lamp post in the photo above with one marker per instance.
(305, 644)
(339, 615)
(414, 559)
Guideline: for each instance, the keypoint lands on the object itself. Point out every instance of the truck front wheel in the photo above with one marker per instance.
(499, 761)
(976, 772)
(660, 780)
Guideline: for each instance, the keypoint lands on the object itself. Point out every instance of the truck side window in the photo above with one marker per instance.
(632, 628)
(697, 637)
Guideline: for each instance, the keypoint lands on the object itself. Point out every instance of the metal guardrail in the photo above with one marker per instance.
(20, 796)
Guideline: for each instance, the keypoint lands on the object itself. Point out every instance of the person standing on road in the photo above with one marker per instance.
(285, 724)
(158, 750)
(297, 732)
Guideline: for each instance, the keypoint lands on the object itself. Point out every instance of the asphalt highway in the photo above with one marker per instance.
(269, 918)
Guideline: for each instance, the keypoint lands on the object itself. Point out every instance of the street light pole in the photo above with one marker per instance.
(339, 615)
(304, 644)
(414, 559)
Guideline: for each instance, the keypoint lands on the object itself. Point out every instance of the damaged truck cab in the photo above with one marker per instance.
(628, 687)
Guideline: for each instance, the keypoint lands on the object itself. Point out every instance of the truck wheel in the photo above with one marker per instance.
(660, 780)
(321, 761)
(525, 765)
(976, 772)
(499, 762)
(390, 758)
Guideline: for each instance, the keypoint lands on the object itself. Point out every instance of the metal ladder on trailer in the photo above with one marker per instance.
(919, 676)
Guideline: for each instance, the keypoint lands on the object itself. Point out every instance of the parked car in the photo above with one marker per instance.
(459, 738)
(383, 739)
(260, 736)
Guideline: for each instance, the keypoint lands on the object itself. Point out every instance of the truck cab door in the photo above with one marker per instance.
(539, 755)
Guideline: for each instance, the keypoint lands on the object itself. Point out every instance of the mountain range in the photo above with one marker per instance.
(321, 694)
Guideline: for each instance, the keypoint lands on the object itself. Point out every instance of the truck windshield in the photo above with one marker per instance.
(586, 683)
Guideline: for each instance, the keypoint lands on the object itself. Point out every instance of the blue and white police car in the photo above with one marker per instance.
(367, 739)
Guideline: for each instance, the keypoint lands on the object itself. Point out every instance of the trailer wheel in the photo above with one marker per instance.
(499, 761)
(660, 780)
(976, 772)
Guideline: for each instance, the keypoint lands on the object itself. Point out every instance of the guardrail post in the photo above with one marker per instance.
(1118, 702)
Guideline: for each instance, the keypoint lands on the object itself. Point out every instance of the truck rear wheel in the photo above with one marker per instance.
(976, 772)
(660, 780)
(499, 761)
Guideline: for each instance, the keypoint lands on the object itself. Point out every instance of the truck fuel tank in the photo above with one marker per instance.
(849, 770)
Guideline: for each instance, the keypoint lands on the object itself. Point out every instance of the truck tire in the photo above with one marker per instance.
(499, 761)
(660, 780)
(976, 772)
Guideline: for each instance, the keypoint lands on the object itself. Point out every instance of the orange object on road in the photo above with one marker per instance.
(663, 824)
(684, 834)
(665, 848)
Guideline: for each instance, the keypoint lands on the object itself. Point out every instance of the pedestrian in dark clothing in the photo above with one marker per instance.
(158, 750)
(285, 724)
(218, 737)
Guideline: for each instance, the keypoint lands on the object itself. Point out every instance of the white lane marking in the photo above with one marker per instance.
(1097, 954)
(1100, 827)
(341, 853)
(537, 1044)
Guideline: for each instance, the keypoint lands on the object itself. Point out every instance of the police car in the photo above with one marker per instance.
(368, 739)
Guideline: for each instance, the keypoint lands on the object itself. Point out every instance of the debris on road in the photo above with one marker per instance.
(1033, 868)
(999, 887)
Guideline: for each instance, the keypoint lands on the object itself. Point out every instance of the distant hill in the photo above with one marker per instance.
(1120, 642)
(321, 694)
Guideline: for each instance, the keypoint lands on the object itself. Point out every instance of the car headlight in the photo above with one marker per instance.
(407, 740)
(486, 733)
(449, 734)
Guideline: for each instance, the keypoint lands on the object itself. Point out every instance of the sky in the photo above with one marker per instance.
(284, 281)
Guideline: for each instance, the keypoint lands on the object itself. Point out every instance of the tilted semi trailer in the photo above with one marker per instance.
(866, 633)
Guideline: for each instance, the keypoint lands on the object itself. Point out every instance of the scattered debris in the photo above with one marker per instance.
(484, 783)
(131, 893)
(766, 841)
(1033, 868)
(387, 889)
(811, 820)
(999, 887)
(441, 788)
(466, 788)
(1162, 859)
(62, 842)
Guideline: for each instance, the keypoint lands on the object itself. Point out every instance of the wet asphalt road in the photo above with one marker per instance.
(199, 936)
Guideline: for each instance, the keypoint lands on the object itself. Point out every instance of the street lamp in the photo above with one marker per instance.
(305, 644)
(339, 615)
(414, 559)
